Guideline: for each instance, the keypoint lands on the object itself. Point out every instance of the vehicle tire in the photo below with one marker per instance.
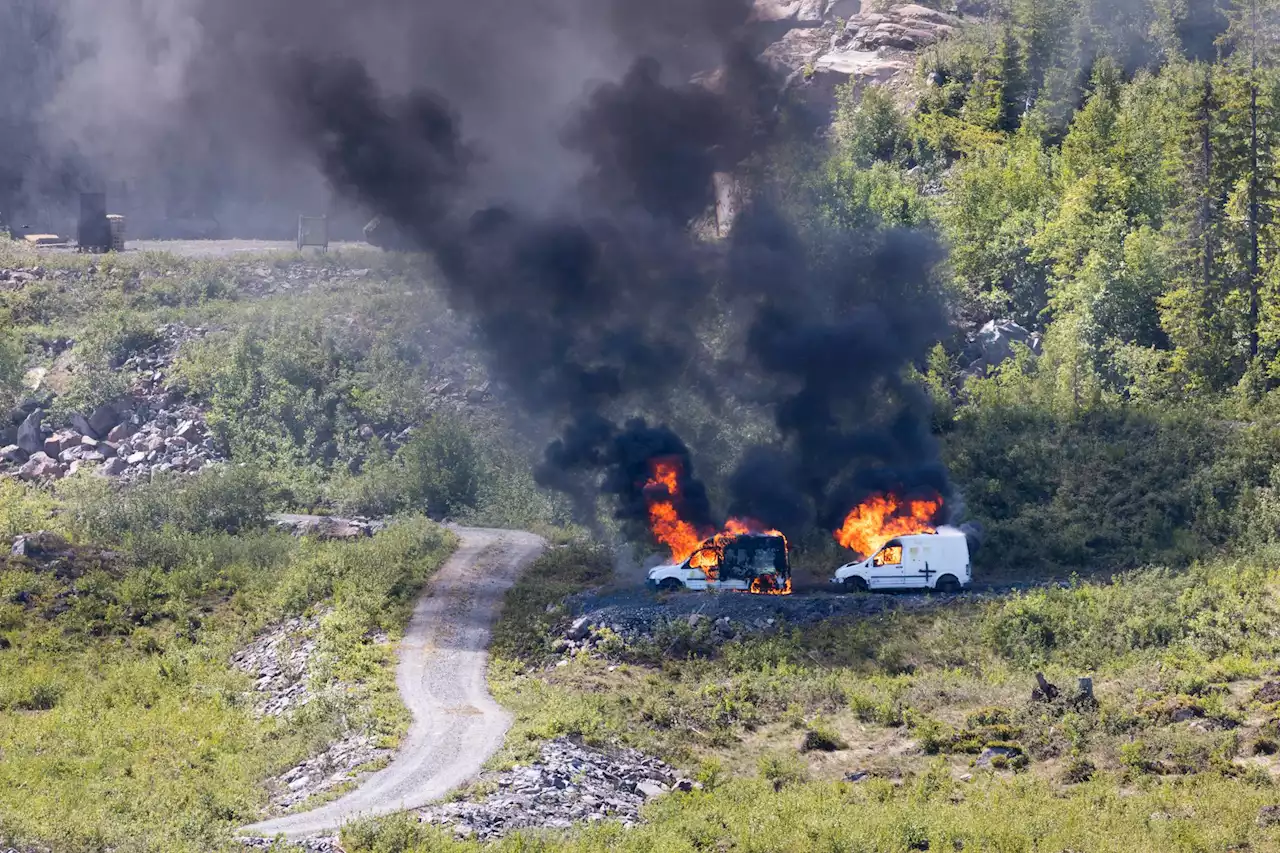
(670, 585)
(948, 584)
(855, 584)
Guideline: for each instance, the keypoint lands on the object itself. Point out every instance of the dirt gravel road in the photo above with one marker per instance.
(441, 674)
(230, 248)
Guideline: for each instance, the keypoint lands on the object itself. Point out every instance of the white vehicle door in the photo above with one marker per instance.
(886, 567)
(916, 572)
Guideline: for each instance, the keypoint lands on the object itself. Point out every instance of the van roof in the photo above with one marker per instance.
(945, 531)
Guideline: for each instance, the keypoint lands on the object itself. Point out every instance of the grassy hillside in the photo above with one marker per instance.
(123, 725)
(1177, 752)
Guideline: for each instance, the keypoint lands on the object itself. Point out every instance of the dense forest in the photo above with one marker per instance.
(1105, 173)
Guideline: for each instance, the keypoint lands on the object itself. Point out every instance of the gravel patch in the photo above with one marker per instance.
(570, 783)
(279, 661)
(639, 615)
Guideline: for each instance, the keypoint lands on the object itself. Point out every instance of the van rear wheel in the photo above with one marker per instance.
(855, 584)
(947, 583)
(670, 585)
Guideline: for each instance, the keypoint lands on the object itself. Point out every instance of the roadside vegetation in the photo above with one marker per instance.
(932, 714)
(123, 725)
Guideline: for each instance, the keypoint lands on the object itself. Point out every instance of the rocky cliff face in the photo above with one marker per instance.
(822, 44)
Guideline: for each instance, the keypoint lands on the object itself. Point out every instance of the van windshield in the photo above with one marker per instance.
(889, 555)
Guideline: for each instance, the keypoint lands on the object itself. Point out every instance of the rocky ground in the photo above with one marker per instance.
(822, 44)
(150, 431)
(570, 783)
(280, 661)
(264, 279)
(644, 616)
(309, 845)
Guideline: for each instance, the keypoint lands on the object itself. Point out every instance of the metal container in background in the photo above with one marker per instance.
(94, 232)
(313, 231)
(115, 224)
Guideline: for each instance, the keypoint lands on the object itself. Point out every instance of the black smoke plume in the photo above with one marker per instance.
(557, 211)
(594, 308)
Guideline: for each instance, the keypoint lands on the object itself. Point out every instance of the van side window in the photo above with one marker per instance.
(890, 555)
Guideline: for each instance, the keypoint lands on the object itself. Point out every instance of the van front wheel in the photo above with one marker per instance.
(947, 583)
(855, 584)
(670, 585)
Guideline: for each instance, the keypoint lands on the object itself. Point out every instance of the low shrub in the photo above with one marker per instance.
(822, 738)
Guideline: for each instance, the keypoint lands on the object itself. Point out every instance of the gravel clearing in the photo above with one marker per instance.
(641, 614)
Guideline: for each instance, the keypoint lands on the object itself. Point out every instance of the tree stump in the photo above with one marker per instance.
(1045, 692)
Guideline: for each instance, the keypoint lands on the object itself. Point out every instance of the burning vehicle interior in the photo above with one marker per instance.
(745, 562)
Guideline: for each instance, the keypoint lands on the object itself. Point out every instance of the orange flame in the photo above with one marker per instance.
(882, 517)
(704, 549)
(681, 537)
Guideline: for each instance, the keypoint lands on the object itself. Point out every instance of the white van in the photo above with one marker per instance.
(920, 561)
(749, 562)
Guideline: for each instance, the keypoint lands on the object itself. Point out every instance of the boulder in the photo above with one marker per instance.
(113, 467)
(30, 438)
(13, 453)
(40, 467)
(798, 12)
(103, 419)
(39, 544)
(913, 12)
(52, 445)
(579, 630)
(994, 341)
(81, 424)
(120, 433)
(651, 789)
(66, 439)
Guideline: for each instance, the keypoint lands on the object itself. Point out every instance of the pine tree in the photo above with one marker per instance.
(1249, 130)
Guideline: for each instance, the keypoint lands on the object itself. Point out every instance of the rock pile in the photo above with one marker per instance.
(12, 279)
(306, 845)
(337, 765)
(993, 345)
(295, 278)
(570, 783)
(278, 662)
(150, 432)
(638, 616)
(328, 527)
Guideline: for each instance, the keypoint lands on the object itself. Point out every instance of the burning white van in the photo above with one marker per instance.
(938, 561)
(747, 562)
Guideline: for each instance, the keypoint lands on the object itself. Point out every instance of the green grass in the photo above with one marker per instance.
(123, 725)
(930, 812)
(1175, 754)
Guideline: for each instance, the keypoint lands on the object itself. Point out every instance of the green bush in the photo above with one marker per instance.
(99, 353)
(782, 770)
(223, 499)
(442, 468)
(822, 738)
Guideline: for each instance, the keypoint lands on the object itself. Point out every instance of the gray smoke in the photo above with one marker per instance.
(550, 156)
(168, 104)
